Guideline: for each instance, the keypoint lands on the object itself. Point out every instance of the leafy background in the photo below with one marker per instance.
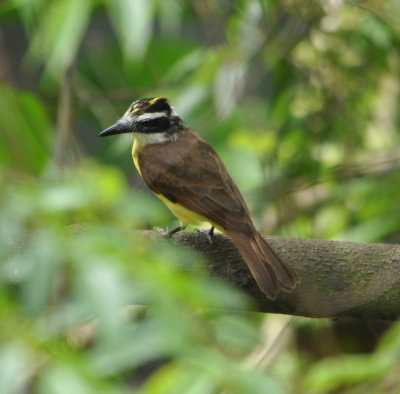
(301, 100)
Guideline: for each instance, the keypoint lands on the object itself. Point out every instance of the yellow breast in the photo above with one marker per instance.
(135, 155)
(183, 214)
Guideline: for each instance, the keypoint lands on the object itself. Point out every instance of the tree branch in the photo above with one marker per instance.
(338, 279)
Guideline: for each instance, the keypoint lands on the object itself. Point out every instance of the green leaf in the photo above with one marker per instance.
(62, 378)
(14, 361)
(24, 131)
(57, 39)
(42, 256)
(179, 378)
(343, 371)
(228, 86)
(132, 20)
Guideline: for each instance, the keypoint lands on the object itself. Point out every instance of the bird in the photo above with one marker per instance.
(186, 173)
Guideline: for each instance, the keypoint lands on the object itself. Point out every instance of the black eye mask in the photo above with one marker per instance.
(153, 125)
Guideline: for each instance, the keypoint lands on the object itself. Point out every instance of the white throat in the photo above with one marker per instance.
(144, 139)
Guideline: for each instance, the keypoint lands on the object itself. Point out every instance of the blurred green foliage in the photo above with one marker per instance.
(301, 100)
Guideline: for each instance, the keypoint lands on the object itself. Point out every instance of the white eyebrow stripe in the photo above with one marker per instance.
(151, 115)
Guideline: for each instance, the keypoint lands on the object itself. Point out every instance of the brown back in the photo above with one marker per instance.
(188, 171)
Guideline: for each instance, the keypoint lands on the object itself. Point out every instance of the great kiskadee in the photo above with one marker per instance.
(185, 172)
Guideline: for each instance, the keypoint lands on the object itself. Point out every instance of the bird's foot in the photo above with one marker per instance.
(176, 230)
(168, 233)
(209, 233)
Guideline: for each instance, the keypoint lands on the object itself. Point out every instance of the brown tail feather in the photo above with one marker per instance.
(269, 271)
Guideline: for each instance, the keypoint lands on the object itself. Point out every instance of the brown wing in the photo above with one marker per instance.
(188, 171)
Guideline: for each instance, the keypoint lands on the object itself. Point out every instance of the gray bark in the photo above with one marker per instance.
(338, 279)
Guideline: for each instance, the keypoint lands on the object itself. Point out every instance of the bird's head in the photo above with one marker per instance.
(147, 116)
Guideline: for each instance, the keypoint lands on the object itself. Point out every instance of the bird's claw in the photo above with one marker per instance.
(168, 233)
(209, 233)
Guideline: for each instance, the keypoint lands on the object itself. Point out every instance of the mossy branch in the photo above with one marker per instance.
(338, 279)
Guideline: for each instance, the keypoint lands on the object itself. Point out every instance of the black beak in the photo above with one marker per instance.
(117, 128)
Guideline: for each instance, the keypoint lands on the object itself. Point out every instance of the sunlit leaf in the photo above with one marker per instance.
(132, 20)
(57, 40)
(14, 361)
(62, 379)
(228, 86)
